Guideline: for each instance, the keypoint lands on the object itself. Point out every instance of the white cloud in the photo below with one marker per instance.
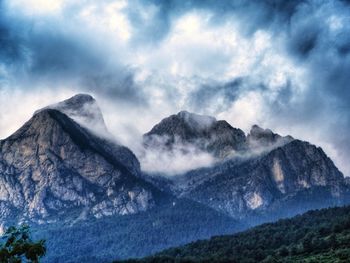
(194, 52)
(37, 7)
(18, 106)
(108, 17)
(246, 111)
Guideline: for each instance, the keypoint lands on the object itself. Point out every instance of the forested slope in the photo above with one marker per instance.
(316, 236)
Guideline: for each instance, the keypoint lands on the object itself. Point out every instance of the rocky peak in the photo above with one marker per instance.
(196, 121)
(183, 125)
(286, 180)
(203, 132)
(53, 166)
(259, 137)
(84, 109)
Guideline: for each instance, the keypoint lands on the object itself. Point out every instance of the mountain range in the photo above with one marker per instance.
(63, 171)
(261, 175)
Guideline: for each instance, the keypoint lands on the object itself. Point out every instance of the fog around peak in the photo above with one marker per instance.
(282, 64)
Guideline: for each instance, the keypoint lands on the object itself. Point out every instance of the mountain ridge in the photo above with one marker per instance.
(50, 164)
(269, 170)
(57, 171)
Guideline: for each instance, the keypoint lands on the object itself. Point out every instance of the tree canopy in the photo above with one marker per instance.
(18, 246)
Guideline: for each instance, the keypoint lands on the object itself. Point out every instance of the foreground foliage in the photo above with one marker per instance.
(18, 246)
(316, 236)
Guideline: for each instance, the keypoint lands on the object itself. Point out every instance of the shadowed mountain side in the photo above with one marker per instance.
(107, 238)
(52, 165)
(290, 179)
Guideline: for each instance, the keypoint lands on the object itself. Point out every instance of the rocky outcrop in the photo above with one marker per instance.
(264, 139)
(54, 168)
(287, 180)
(83, 109)
(257, 184)
(271, 175)
(203, 132)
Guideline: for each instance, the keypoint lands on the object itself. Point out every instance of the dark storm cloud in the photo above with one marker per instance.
(47, 54)
(207, 96)
(252, 14)
(10, 43)
(314, 34)
(304, 41)
(296, 19)
(311, 38)
(55, 56)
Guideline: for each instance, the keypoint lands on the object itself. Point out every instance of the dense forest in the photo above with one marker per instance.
(99, 240)
(316, 236)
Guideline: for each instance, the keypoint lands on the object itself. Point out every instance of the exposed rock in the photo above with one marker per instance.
(83, 109)
(287, 180)
(259, 138)
(347, 180)
(53, 167)
(204, 132)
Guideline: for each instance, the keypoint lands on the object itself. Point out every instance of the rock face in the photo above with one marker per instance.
(57, 167)
(273, 176)
(204, 132)
(276, 179)
(259, 138)
(83, 109)
(54, 168)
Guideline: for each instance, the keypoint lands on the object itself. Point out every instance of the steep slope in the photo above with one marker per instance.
(85, 194)
(83, 109)
(264, 139)
(270, 177)
(317, 236)
(52, 167)
(288, 180)
(205, 133)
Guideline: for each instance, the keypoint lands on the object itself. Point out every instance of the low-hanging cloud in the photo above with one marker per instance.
(283, 64)
(181, 158)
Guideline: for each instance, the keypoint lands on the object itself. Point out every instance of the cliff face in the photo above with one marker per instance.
(271, 175)
(281, 176)
(203, 132)
(83, 109)
(54, 168)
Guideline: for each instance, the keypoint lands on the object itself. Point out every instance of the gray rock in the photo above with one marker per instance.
(239, 188)
(259, 138)
(205, 133)
(54, 167)
(272, 175)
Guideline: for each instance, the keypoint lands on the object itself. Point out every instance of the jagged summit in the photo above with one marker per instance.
(54, 169)
(206, 133)
(184, 124)
(80, 98)
(259, 137)
(203, 132)
(197, 121)
(84, 109)
(52, 166)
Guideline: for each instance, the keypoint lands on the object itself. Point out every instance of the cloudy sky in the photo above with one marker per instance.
(281, 64)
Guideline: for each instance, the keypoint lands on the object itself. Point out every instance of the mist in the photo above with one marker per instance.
(280, 64)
